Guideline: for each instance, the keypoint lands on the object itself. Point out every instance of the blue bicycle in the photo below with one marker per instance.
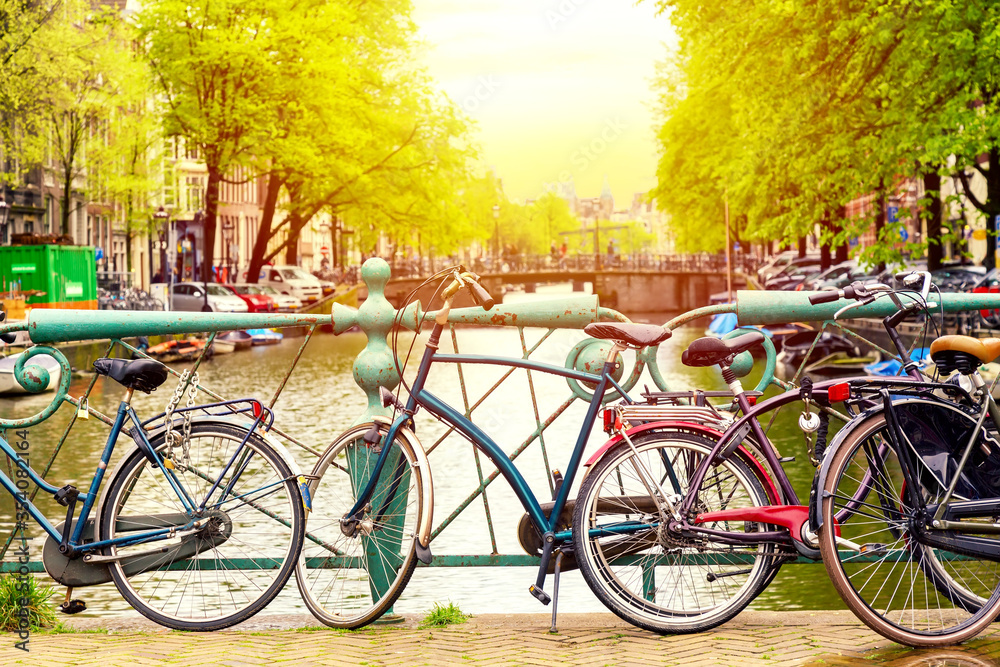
(373, 491)
(201, 523)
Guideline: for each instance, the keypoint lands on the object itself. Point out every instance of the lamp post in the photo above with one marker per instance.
(4, 214)
(162, 220)
(496, 237)
(326, 228)
(227, 238)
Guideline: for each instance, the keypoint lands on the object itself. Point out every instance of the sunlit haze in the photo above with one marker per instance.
(557, 87)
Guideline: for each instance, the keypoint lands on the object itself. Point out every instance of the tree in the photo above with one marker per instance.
(373, 144)
(549, 215)
(800, 107)
(221, 67)
(19, 99)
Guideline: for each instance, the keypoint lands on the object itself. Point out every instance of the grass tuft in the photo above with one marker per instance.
(25, 596)
(441, 616)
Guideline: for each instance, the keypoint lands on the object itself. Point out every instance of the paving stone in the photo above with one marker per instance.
(780, 641)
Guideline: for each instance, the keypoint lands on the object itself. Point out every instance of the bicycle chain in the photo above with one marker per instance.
(183, 439)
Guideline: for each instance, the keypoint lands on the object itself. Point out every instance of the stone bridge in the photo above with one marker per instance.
(629, 291)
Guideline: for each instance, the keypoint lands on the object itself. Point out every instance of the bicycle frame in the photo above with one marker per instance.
(125, 413)
(420, 397)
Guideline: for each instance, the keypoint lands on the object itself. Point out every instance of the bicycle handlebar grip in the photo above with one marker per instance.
(8, 338)
(824, 297)
(480, 295)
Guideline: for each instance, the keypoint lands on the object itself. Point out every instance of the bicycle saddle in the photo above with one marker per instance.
(637, 335)
(711, 351)
(963, 352)
(142, 374)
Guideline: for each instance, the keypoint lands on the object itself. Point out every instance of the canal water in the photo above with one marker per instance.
(321, 399)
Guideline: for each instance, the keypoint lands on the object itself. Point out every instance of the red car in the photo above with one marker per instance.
(256, 303)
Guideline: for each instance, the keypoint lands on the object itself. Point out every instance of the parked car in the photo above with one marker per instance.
(786, 260)
(793, 273)
(257, 303)
(282, 302)
(831, 273)
(191, 297)
(293, 280)
(328, 286)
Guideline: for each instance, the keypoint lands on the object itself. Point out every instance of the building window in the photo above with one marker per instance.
(195, 193)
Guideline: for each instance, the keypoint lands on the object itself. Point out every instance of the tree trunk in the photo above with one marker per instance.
(129, 233)
(292, 241)
(880, 221)
(67, 195)
(932, 210)
(264, 229)
(841, 253)
(802, 246)
(992, 206)
(824, 248)
(209, 221)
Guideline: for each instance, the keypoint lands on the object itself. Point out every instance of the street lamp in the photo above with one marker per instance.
(162, 217)
(228, 226)
(496, 236)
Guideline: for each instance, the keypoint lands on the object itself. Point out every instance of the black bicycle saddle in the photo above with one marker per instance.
(711, 351)
(637, 335)
(142, 374)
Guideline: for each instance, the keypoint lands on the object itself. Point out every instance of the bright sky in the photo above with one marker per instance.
(558, 88)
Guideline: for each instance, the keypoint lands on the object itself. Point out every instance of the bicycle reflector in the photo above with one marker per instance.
(257, 409)
(839, 392)
(611, 421)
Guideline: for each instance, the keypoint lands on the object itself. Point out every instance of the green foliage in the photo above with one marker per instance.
(72, 79)
(19, 595)
(442, 616)
(790, 110)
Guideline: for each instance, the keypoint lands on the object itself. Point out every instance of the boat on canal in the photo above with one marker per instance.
(241, 340)
(265, 336)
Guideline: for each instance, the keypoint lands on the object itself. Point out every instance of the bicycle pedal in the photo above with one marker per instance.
(73, 606)
(542, 596)
(873, 548)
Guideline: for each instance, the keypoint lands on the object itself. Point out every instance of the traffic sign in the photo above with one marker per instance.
(893, 213)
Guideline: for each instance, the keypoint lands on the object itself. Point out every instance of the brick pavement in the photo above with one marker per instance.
(814, 639)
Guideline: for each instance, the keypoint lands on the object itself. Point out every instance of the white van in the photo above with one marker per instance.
(293, 280)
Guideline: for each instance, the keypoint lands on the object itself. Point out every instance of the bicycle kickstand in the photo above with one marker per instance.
(536, 588)
(555, 592)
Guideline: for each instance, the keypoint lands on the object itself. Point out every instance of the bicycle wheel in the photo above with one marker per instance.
(651, 576)
(245, 542)
(351, 576)
(901, 588)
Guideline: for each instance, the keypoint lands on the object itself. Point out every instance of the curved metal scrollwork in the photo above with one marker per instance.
(35, 379)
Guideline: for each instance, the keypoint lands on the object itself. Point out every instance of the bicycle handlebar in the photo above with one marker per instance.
(470, 281)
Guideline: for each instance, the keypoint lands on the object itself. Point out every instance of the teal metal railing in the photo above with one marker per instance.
(374, 367)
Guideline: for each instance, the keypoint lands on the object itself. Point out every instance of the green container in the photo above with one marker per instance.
(66, 274)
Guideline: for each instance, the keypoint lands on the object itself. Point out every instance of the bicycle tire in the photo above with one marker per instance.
(348, 581)
(625, 573)
(898, 587)
(203, 582)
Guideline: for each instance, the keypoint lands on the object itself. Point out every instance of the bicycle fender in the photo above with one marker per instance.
(425, 486)
(744, 455)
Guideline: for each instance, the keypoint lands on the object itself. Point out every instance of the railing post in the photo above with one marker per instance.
(372, 369)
